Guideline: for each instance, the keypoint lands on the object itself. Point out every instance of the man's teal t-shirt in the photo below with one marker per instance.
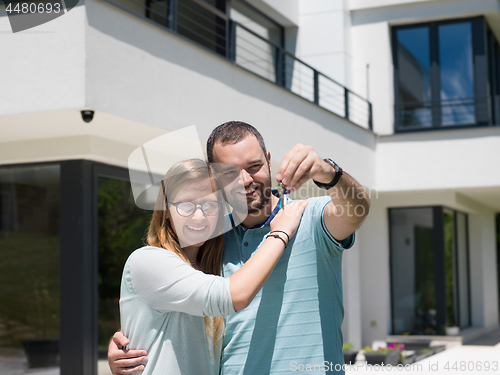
(294, 323)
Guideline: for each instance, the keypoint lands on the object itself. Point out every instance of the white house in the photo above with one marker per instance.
(403, 94)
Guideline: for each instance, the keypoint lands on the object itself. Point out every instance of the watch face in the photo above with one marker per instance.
(338, 174)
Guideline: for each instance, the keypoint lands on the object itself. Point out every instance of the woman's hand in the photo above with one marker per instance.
(288, 218)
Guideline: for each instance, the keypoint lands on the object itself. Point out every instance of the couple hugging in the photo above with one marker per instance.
(264, 298)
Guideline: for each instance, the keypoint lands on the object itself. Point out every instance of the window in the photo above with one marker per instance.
(494, 72)
(29, 267)
(254, 31)
(441, 75)
(201, 22)
(429, 270)
(121, 229)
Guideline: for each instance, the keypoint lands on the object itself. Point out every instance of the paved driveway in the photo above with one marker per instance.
(480, 357)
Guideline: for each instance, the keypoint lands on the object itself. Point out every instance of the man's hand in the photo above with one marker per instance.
(300, 164)
(350, 203)
(122, 362)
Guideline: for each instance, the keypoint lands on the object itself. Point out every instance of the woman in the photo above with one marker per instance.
(166, 299)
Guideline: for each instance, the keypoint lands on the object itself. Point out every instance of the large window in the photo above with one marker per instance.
(121, 228)
(494, 74)
(441, 75)
(429, 270)
(29, 267)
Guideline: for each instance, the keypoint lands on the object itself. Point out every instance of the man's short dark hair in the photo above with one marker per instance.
(232, 132)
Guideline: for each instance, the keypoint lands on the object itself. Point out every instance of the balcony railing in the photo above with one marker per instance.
(450, 113)
(212, 29)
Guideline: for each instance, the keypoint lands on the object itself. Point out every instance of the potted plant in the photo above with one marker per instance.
(349, 353)
(387, 356)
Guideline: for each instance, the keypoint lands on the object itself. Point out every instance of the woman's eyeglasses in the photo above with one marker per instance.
(209, 208)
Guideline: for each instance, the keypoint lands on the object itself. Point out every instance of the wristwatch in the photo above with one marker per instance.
(338, 174)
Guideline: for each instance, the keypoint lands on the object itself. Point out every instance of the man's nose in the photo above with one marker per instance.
(246, 177)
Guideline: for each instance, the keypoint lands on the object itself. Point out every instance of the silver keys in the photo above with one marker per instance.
(282, 190)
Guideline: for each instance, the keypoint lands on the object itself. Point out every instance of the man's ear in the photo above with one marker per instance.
(269, 159)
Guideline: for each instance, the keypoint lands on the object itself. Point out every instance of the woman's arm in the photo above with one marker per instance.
(166, 283)
(251, 277)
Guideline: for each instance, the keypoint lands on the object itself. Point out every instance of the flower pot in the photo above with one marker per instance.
(452, 331)
(42, 353)
(350, 357)
(390, 358)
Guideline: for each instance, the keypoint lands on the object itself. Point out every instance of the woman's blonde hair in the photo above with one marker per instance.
(161, 233)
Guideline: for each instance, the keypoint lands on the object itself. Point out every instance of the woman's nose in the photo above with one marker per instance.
(198, 213)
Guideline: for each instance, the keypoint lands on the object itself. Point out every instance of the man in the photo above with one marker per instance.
(294, 323)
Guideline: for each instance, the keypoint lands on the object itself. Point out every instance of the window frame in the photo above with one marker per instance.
(479, 29)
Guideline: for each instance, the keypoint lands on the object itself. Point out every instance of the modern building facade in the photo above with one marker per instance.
(403, 94)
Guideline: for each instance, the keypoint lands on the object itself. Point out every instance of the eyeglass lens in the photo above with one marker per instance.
(209, 208)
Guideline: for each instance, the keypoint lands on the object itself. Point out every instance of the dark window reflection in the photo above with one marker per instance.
(29, 267)
(462, 257)
(202, 25)
(449, 267)
(412, 271)
(416, 253)
(122, 228)
(414, 65)
(157, 11)
(456, 74)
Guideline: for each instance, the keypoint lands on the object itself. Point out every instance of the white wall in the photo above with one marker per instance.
(138, 78)
(484, 281)
(185, 85)
(438, 160)
(324, 38)
(44, 67)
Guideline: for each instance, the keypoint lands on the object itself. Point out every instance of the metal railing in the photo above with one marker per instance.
(454, 112)
(214, 30)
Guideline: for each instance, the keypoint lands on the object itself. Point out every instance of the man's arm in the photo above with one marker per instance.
(350, 203)
(124, 362)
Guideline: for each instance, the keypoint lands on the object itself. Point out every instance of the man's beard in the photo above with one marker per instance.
(264, 192)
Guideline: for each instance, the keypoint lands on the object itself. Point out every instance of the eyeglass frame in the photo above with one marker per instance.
(176, 204)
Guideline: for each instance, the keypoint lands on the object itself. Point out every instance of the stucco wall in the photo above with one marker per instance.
(43, 68)
(185, 85)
